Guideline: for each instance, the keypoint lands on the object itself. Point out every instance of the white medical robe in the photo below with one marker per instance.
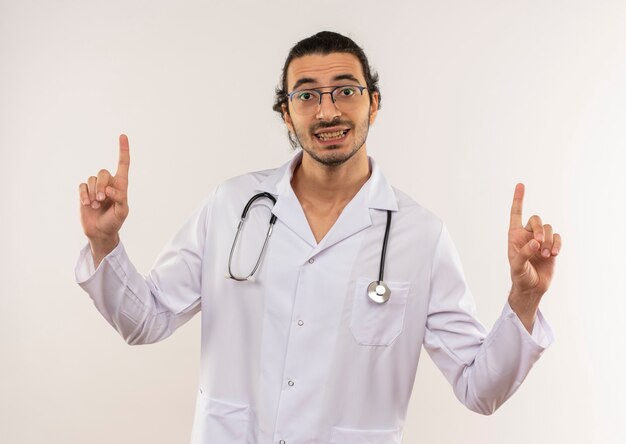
(301, 354)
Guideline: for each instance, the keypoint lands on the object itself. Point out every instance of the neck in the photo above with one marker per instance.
(330, 186)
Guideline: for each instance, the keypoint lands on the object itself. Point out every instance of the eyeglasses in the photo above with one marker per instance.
(346, 98)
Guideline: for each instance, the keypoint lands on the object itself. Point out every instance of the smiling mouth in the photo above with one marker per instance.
(335, 135)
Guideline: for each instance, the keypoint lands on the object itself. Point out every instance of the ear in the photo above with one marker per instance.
(287, 118)
(373, 107)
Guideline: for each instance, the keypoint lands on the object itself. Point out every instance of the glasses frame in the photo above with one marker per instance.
(321, 93)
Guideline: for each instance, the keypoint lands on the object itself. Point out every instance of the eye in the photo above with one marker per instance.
(347, 91)
(304, 96)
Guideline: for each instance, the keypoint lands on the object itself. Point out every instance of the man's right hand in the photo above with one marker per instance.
(104, 205)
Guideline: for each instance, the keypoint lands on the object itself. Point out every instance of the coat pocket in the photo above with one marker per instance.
(219, 421)
(378, 324)
(353, 436)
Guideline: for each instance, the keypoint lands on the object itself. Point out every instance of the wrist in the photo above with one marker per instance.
(101, 247)
(525, 305)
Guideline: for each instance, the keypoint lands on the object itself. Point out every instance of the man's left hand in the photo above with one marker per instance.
(532, 254)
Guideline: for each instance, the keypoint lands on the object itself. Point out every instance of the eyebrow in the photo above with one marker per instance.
(304, 80)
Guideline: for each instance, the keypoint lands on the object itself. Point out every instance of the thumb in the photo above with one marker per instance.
(525, 253)
(117, 196)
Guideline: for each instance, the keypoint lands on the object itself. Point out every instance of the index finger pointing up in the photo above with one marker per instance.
(124, 161)
(516, 207)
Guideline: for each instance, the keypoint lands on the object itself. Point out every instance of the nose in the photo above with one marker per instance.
(327, 109)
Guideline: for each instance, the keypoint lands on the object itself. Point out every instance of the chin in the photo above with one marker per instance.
(332, 155)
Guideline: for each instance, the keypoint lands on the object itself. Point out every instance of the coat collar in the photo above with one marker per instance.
(380, 194)
(375, 194)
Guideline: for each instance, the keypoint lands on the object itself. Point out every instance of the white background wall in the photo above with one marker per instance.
(476, 96)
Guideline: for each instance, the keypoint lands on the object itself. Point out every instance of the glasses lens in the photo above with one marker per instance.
(306, 101)
(345, 98)
(348, 97)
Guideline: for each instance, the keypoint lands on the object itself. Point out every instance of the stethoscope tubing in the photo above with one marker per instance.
(384, 251)
(242, 222)
(377, 290)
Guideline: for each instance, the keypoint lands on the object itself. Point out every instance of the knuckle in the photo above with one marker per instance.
(103, 172)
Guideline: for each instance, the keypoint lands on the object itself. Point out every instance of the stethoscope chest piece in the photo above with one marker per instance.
(378, 292)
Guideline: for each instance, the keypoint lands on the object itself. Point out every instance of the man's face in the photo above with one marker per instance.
(312, 131)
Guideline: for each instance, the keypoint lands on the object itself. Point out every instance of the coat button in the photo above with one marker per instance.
(311, 260)
(291, 383)
(282, 441)
(300, 322)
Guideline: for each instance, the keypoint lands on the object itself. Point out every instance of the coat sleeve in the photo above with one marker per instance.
(148, 309)
(483, 369)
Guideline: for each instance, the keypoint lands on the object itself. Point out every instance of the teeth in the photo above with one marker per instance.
(334, 135)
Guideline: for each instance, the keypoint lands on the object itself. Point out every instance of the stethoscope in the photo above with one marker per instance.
(377, 290)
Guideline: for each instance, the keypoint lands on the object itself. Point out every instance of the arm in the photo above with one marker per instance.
(148, 309)
(142, 310)
(483, 369)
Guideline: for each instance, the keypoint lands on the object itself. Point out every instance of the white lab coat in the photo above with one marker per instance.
(300, 354)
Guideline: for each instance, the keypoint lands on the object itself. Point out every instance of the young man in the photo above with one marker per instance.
(322, 344)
